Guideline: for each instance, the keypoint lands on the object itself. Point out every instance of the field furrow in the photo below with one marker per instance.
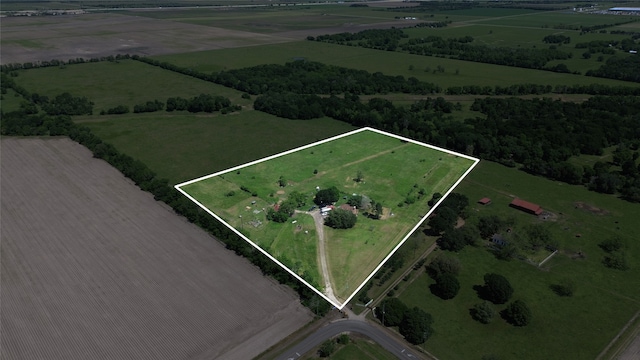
(94, 268)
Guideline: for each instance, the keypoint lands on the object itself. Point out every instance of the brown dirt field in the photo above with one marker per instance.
(94, 268)
(590, 208)
(66, 37)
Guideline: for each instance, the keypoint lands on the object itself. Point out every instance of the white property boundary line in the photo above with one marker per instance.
(337, 305)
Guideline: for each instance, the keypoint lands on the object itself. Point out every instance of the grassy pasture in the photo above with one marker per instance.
(126, 82)
(10, 101)
(183, 146)
(389, 63)
(572, 327)
(388, 178)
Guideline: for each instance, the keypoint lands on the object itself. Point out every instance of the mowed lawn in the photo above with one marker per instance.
(562, 327)
(392, 170)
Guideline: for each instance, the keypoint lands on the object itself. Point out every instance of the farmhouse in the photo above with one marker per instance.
(348, 207)
(526, 206)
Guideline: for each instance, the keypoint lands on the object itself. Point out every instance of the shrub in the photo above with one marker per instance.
(517, 313)
(483, 312)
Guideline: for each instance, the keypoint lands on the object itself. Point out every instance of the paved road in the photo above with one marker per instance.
(358, 326)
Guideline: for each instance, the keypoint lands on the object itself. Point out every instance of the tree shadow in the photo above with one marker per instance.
(481, 292)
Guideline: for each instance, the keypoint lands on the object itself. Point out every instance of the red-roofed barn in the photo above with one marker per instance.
(526, 206)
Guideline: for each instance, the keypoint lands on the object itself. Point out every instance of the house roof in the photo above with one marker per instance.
(534, 208)
(484, 201)
(346, 207)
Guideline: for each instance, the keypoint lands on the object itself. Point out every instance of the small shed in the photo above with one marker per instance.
(484, 201)
(499, 240)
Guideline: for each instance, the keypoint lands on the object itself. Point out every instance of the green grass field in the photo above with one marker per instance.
(392, 169)
(389, 63)
(569, 327)
(181, 147)
(125, 82)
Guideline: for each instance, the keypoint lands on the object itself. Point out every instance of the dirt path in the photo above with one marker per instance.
(322, 254)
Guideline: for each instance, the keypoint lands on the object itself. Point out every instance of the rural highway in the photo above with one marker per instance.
(358, 326)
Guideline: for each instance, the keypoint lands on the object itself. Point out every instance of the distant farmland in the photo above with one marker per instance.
(94, 268)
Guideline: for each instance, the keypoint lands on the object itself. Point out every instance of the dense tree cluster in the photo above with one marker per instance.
(443, 264)
(381, 39)
(200, 103)
(340, 219)
(20, 124)
(120, 109)
(327, 196)
(413, 323)
(556, 39)
(308, 77)
(536, 89)
(67, 104)
(60, 63)
(149, 106)
(620, 68)
(462, 49)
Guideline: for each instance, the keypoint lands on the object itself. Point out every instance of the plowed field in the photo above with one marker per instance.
(94, 268)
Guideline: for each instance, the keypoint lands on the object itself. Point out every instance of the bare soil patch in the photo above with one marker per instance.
(590, 208)
(28, 39)
(94, 268)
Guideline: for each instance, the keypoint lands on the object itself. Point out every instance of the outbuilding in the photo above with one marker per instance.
(526, 206)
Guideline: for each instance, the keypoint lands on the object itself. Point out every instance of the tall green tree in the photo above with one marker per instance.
(327, 196)
(341, 219)
(416, 326)
(497, 288)
(517, 313)
(391, 311)
(446, 286)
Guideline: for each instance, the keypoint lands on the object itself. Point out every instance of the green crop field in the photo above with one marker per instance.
(393, 170)
(569, 327)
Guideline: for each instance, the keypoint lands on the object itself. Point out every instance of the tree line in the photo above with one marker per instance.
(537, 89)
(537, 135)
